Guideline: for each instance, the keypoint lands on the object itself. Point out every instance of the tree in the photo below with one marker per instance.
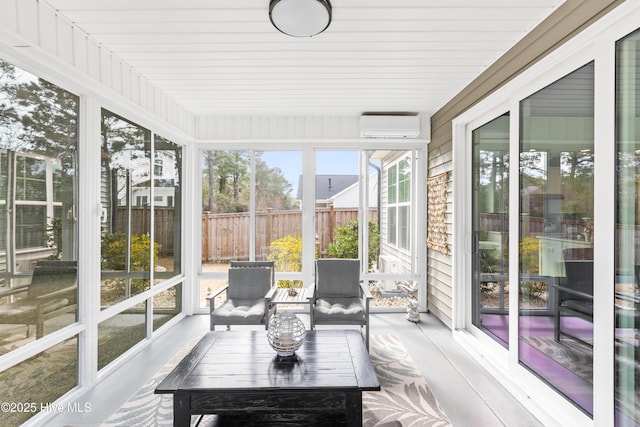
(50, 120)
(226, 183)
(577, 184)
(272, 189)
(9, 118)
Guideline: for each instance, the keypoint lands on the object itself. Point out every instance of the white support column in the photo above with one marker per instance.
(308, 217)
(152, 235)
(192, 226)
(89, 151)
(418, 184)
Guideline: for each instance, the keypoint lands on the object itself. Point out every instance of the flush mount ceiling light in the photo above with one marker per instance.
(300, 18)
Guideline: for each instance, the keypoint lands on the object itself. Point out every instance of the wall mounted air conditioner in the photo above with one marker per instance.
(389, 126)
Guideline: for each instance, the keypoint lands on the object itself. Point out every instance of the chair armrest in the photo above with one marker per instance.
(310, 293)
(272, 290)
(366, 293)
(13, 291)
(212, 296)
(574, 292)
(59, 293)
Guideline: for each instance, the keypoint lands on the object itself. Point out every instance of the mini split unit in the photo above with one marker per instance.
(389, 126)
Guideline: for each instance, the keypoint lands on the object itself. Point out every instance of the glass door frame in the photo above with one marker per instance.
(596, 43)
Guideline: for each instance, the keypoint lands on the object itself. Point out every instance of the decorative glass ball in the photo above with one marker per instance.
(286, 334)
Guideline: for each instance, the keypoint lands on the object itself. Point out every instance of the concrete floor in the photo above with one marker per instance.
(467, 393)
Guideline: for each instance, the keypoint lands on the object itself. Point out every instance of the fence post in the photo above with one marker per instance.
(269, 229)
(332, 221)
(205, 236)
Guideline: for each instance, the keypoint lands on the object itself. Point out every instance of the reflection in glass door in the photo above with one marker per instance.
(556, 235)
(490, 284)
(627, 287)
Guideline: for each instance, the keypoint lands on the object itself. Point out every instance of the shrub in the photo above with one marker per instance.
(345, 243)
(114, 252)
(286, 253)
(529, 262)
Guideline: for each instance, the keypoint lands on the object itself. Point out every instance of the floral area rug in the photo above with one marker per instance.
(404, 398)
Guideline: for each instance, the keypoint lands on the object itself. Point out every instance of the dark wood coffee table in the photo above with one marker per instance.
(235, 375)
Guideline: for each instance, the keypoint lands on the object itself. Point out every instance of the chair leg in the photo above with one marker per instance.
(366, 327)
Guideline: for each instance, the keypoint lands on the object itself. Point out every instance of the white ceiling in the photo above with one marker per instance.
(223, 57)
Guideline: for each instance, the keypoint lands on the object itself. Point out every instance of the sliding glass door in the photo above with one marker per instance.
(556, 235)
(627, 233)
(490, 284)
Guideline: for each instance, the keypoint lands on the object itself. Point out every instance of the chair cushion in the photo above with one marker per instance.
(250, 311)
(338, 278)
(249, 282)
(336, 310)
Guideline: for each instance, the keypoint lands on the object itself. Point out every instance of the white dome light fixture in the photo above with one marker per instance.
(300, 18)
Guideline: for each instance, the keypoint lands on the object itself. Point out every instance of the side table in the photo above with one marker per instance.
(304, 296)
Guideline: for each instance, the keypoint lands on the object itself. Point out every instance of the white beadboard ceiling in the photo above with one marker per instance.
(223, 57)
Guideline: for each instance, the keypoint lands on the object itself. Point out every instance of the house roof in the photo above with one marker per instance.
(328, 186)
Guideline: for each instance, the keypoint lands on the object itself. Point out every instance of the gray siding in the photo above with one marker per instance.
(567, 21)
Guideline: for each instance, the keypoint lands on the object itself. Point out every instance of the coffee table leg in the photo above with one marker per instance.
(181, 415)
(354, 408)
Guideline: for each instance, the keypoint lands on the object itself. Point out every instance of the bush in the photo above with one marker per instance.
(529, 262)
(114, 252)
(345, 243)
(286, 253)
(114, 256)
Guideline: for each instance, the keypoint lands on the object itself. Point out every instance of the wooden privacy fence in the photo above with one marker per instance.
(165, 229)
(226, 236)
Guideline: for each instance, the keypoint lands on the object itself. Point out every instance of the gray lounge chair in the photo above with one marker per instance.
(249, 289)
(340, 298)
(52, 292)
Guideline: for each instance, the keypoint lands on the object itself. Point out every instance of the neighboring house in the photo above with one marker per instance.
(349, 197)
(328, 187)
(163, 193)
(163, 173)
(395, 215)
(35, 182)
